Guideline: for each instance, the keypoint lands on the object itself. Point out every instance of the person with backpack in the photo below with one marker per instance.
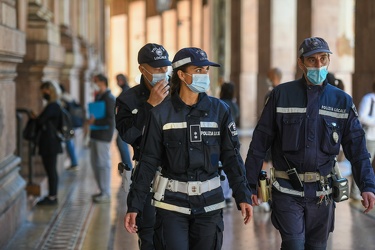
(67, 101)
(101, 132)
(49, 144)
(123, 147)
(227, 96)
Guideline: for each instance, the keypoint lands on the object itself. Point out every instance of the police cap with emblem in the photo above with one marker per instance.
(313, 45)
(154, 55)
(193, 56)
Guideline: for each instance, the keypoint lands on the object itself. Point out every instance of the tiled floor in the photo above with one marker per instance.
(77, 223)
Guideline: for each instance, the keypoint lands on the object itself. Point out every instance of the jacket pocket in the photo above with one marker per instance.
(176, 155)
(291, 134)
(211, 155)
(331, 137)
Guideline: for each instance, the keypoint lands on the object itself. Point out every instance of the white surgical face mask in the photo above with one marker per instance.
(95, 87)
(200, 83)
(156, 77)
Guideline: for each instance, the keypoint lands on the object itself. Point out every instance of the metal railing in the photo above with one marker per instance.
(20, 114)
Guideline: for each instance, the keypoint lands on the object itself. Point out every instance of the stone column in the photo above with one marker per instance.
(364, 63)
(43, 61)
(73, 62)
(244, 66)
(12, 193)
(276, 47)
(89, 61)
(264, 51)
(331, 20)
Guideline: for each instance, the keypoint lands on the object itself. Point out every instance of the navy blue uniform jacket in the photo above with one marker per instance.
(132, 110)
(188, 142)
(300, 122)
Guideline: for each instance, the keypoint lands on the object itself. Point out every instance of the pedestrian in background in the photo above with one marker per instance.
(132, 110)
(122, 146)
(185, 138)
(304, 122)
(66, 98)
(274, 76)
(101, 133)
(49, 121)
(366, 113)
(227, 96)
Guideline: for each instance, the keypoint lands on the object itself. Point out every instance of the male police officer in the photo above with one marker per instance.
(132, 110)
(304, 122)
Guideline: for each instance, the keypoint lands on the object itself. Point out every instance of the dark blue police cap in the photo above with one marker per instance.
(193, 56)
(313, 45)
(154, 55)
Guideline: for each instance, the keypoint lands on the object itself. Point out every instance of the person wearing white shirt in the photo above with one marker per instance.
(366, 114)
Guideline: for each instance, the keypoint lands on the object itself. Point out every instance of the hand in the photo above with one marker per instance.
(91, 120)
(158, 93)
(368, 200)
(246, 211)
(129, 223)
(255, 200)
(33, 115)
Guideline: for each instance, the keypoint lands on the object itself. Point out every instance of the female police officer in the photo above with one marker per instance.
(186, 137)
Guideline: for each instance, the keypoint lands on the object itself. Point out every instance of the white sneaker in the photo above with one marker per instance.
(126, 181)
(355, 194)
(102, 199)
(265, 207)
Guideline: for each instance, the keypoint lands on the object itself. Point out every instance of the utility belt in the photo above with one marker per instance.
(191, 188)
(296, 181)
(339, 188)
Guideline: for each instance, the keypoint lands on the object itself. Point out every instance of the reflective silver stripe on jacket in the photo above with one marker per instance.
(185, 210)
(284, 190)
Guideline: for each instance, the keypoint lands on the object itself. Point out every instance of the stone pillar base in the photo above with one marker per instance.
(12, 199)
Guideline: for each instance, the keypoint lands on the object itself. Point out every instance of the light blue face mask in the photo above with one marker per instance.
(156, 77)
(317, 75)
(200, 83)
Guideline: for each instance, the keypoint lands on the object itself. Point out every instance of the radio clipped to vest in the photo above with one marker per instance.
(340, 186)
(294, 178)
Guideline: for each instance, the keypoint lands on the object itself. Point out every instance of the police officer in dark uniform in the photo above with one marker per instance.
(305, 122)
(185, 138)
(132, 110)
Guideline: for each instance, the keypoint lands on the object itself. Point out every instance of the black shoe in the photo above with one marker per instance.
(95, 195)
(47, 202)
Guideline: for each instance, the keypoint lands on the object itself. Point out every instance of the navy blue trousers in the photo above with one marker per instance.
(301, 222)
(188, 232)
